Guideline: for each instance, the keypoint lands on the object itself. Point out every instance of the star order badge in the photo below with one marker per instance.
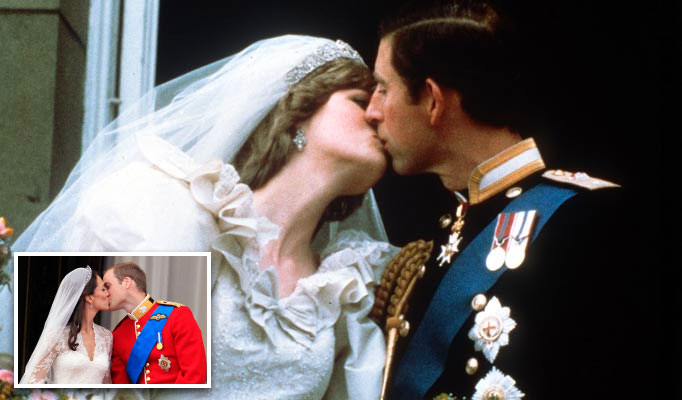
(164, 363)
(491, 329)
(497, 386)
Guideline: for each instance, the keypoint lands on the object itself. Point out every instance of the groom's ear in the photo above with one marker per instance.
(435, 103)
(127, 282)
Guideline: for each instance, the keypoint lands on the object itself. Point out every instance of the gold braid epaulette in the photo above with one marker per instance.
(170, 303)
(392, 294)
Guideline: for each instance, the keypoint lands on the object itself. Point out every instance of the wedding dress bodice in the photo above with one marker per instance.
(296, 347)
(316, 343)
(75, 366)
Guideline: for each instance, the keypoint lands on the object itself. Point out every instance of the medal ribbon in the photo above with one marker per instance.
(522, 230)
(517, 226)
(504, 224)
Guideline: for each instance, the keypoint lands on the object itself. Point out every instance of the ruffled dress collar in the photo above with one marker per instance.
(351, 264)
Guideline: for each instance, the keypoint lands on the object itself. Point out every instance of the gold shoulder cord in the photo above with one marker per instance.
(170, 303)
(390, 305)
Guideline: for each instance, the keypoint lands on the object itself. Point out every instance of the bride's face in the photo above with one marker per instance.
(339, 132)
(101, 296)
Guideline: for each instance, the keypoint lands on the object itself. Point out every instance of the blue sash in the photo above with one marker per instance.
(145, 343)
(426, 355)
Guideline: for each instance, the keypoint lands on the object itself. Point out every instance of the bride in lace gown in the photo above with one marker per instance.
(265, 159)
(72, 349)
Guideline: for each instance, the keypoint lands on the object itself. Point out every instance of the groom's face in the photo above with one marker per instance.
(117, 292)
(402, 124)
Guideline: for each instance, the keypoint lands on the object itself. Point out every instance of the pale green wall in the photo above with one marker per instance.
(42, 75)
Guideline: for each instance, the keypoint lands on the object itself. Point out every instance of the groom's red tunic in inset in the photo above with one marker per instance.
(182, 346)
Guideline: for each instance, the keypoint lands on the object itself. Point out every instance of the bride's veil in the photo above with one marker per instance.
(208, 113)
(70, 289)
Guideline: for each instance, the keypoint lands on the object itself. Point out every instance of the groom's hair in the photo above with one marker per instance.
(464, 45)
(133, 271)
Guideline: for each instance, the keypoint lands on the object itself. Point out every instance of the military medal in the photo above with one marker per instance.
(515, 257)
(159, 343)
(518, 241)
(495, 259)
(498, 253)
(452, 247)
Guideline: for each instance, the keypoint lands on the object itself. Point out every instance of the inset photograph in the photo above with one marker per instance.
(112, 319)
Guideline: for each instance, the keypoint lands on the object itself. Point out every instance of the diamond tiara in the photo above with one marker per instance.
(89, 274)
(322, 55)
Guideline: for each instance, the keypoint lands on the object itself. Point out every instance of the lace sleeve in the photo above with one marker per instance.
(40, 363)
(108, 344)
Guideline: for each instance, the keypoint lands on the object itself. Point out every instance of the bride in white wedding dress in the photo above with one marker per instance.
(73, 349)
(265, 159)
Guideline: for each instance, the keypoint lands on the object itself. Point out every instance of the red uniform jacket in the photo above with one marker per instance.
(182, 346)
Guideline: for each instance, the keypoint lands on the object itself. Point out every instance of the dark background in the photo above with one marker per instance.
(602, 97)
(39, 278)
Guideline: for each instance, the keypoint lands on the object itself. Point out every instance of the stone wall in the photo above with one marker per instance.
(42, 76)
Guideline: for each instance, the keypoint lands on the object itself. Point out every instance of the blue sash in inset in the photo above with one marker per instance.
(145, 343)
(426, 355)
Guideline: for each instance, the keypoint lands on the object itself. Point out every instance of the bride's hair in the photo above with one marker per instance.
(271, 144)
(77, 314)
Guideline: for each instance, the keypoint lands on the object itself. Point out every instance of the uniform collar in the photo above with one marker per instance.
(503, 170)
(141, 309)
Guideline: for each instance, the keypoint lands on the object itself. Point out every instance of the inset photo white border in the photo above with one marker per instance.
(168, 278)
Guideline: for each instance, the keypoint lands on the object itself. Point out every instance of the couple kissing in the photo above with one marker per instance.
(156, 342)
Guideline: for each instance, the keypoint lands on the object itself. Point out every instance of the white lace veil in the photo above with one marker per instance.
(208, 113)
(38, 368)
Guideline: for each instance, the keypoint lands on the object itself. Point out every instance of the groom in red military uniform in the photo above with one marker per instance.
(158, 342)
